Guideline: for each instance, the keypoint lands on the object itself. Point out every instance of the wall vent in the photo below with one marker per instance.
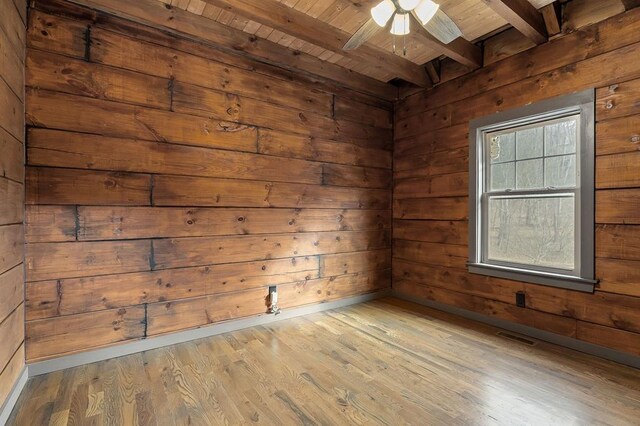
(516, 338)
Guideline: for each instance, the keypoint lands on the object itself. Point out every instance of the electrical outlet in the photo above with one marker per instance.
(273, 300)
(520, 299)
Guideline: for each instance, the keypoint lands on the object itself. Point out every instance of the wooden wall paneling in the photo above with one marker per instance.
(172, 316)
(587, 42)
(67, 334)
(581, 13)
(11, 246)
(11, 108)
(618, 135)
(147, 58)
(11, 373)
(76, 259)
(12, 290)
(178, 252)
(371, 154)
(183, 190)
(12, 334)
(12, 158)
(606, 336)
(332, 288)
(618, 276)
(619, 206)
(426, 229)
(350, 263)
(12, 137)
(77, 150)
(447, 208)
(456, 280)
(69, 186)
(432, 231)
(98, 223)
(130, 121)
(79, 77)
(12, 206)
(199, 101)
(184, 23)
(553, 323)
(618, 170)
(175, 46)
(582, 75)
(45, 224)
(194, 180)
(47, 299)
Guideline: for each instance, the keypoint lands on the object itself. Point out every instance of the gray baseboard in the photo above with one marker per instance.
(12, 398)
(568, 342)
(69, 361)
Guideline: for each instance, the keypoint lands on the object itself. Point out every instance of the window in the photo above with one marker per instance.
(532, 193)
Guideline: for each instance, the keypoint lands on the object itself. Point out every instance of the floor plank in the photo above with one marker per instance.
(383, 362)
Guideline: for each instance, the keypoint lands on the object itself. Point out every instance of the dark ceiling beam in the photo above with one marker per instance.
(630, 4)
(300, 25)
(460, 50)
(522, 16)
(551, 16)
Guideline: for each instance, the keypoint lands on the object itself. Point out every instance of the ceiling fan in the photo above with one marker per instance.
(397, 16)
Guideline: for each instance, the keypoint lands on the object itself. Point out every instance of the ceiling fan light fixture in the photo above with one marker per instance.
(400, 24)
(408, 5)
(425, 11)
(383, 12)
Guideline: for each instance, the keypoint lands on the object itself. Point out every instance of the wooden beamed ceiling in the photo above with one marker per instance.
(298, 24)
(308, 35)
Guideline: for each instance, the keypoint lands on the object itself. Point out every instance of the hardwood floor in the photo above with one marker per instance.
(383, 362)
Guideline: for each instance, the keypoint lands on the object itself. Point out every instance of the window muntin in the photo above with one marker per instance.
(532, 193)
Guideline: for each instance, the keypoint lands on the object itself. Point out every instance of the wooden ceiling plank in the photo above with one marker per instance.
(523, 16)
(320, 33)
(162, 16)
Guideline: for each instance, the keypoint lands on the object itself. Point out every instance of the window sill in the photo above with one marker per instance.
(553, 280)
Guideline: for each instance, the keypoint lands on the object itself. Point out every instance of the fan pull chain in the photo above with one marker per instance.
(394, 43)
(404, 37)
(404, 45)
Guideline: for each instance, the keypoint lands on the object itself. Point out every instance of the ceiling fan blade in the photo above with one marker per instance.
(442, 27)
(364, 33)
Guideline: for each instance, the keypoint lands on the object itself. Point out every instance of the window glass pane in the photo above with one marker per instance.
(503, 176)
(536, 231)
(529, 143)
(560, 138)
(503, 147)
(560, 172)
(529, 174)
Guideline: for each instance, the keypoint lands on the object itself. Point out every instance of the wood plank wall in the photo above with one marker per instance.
(12, 52)
(169, 184)
(431, 184)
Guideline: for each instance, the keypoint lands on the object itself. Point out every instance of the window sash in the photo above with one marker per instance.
(560, 193)
(582, 103)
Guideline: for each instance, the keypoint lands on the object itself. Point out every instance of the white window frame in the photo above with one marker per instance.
(581, 278)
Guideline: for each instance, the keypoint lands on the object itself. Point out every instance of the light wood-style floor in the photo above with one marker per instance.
(383, 362)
